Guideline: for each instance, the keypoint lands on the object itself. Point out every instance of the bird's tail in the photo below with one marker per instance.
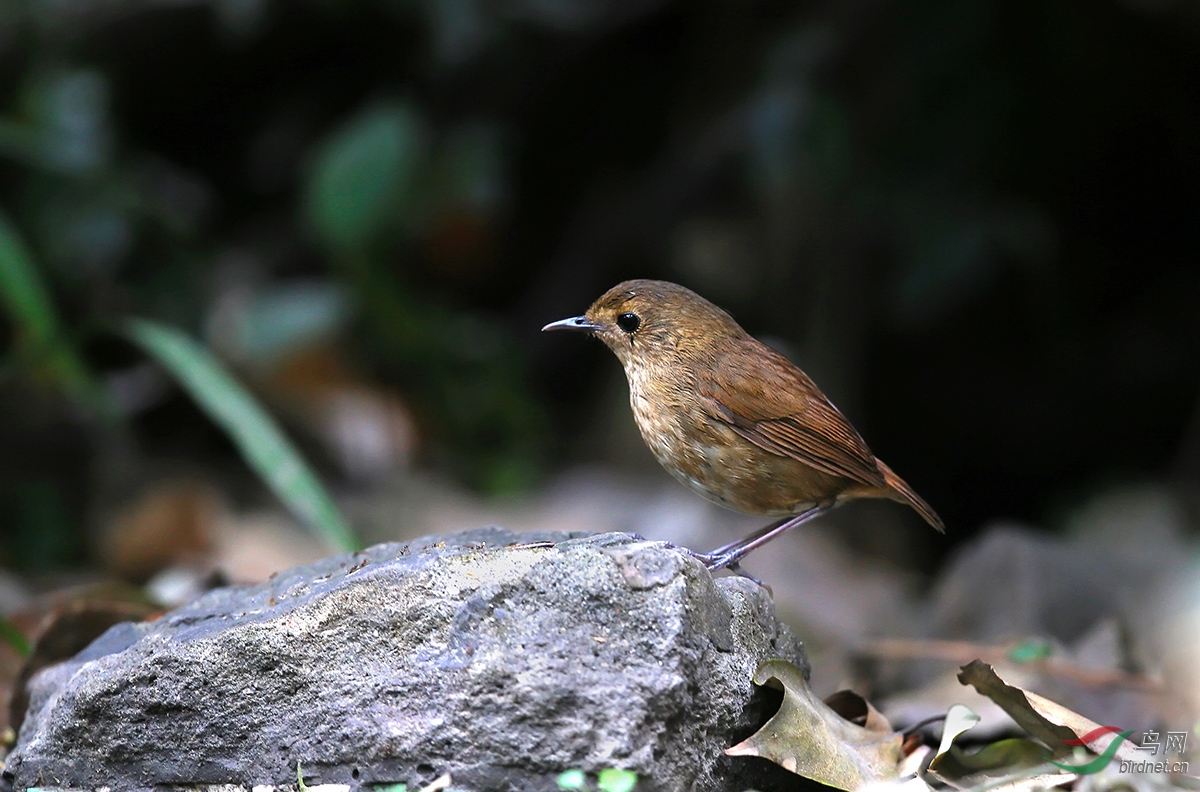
(898, 490)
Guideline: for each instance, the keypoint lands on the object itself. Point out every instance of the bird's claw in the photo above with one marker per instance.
(736, 569)
(718, 560)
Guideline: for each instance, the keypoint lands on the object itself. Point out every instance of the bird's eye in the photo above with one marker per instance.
(629, 322)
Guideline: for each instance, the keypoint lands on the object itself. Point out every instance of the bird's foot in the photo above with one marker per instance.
(714, 560)
(708, 559)
(736, 569)
(719, 560)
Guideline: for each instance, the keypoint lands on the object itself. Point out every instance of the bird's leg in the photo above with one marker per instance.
(726, 548)
(730, 554)
(731, 545)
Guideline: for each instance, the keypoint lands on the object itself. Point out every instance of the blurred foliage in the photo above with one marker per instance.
(41, 337)
(974, 223)
(365, 177)
(257, 436)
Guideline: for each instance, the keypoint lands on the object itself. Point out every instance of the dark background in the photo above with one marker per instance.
(975, 224)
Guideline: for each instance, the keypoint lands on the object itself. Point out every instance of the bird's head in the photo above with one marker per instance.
(649, 321)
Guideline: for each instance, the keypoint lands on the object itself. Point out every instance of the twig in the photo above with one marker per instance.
(966, 651)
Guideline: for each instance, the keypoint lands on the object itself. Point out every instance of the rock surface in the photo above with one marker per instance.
(501, 665)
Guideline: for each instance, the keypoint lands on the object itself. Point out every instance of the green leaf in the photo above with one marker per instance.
(13, 637)
(1002, 758)
(364, 174)
(613, 780)
(256, 434)
(28, 302)
(1009, 760)
(572, 779)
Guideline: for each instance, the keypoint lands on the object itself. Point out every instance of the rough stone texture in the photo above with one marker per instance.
(500, 665)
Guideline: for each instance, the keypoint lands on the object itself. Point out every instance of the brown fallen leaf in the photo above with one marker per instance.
(170, 522)
(367, 429)
(1052, 723)
(857, 710)
(810, 739)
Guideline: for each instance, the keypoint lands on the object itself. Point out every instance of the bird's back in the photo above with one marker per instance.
(748, 429)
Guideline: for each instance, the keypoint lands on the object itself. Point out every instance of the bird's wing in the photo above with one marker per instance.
(774, 405)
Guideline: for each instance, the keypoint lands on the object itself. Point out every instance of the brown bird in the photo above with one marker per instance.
(732, 418)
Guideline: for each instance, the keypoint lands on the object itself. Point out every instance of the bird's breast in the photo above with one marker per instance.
(711, 459)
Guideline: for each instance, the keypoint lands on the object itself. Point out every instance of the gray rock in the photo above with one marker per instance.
(501, 665)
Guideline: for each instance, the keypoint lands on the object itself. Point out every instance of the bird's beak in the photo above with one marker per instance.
(574, 323)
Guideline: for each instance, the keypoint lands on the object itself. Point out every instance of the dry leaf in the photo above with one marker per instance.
(438, 784)
(1053, 724)
(170, 522)
(857, 710)
(810, 739)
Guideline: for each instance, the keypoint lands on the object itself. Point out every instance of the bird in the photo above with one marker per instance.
(731, 418)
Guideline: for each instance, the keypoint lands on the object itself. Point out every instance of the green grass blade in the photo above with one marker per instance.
(13, 637)
(39, 330)
(25, 296)
(262, 443)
